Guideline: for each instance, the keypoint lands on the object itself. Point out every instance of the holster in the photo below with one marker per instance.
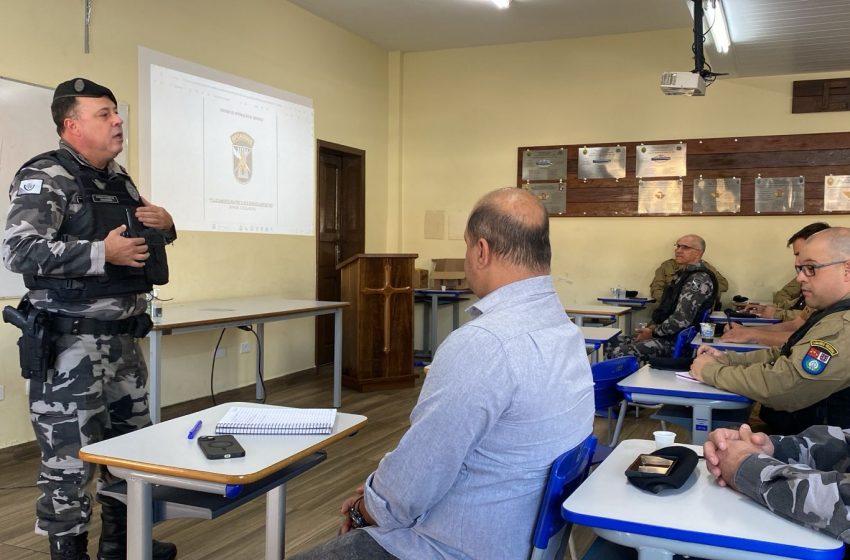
(36, 346)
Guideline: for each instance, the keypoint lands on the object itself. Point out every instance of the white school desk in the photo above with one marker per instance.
(700, 519)
(655, 386)
(720, 317)
(161, 454)
(597, 338)
(579, 312)
(434, 298)
(635, 303)
(197, 316)
(727, 346)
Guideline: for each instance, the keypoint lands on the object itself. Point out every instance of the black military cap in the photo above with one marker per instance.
(81, 87)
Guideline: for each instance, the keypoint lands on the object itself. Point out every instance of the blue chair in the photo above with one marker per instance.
(683, 341)
(568, 471)
(606, 395)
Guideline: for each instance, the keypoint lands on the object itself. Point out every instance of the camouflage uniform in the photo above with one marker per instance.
(97, 388)
(695, 293)
(665, 273)
(806, 480)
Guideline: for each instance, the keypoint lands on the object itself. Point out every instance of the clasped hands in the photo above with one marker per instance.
(133, 251)
(726, 449)
(706, 354)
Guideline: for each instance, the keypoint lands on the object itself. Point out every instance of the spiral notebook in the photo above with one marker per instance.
(280, 420)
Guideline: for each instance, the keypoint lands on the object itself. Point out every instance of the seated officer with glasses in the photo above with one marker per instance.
(667, 271)
(807, 381)
(684, 302)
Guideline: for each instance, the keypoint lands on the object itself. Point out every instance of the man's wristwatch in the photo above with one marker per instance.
(357, 519)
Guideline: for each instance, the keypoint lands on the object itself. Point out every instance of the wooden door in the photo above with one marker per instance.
(340, 229)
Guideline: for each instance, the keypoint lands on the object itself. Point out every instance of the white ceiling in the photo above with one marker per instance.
(768, 36)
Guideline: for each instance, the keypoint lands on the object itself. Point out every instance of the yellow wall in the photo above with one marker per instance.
(465, 112)
(272, 42)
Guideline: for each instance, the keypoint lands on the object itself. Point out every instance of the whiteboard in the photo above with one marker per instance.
(27, 129)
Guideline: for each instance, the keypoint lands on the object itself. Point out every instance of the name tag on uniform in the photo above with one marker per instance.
(104, 198)
(30, 186)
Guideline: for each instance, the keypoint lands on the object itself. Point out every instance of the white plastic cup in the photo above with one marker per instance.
(664, 438)
(706, 330)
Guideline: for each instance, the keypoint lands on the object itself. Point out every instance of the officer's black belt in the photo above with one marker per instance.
(82, 325)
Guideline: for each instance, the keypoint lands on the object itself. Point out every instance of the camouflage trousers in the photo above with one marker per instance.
(652, 348)
(97, 391)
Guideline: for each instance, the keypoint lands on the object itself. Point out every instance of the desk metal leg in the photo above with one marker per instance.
(578, 320)
(426, 327)
(338, 358)
(276, 523)
(455, 315)
(435, 307)
(139, 519)
(701, 424)
(154, 372)
(260, 329)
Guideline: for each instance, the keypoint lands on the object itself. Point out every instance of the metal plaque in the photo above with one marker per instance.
(552, 195)
(660, 197)
(722, 194)
(544, 165)
(780, 194)
(604, 162)
(661, 160)
(836, 193)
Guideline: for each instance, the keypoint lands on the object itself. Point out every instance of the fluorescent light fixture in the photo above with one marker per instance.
(502, 4)
(716, 18)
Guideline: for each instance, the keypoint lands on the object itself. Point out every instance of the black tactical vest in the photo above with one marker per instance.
(672, 292)
(108, 201)
(834, 410)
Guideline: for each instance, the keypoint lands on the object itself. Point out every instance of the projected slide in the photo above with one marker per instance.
(224, 153)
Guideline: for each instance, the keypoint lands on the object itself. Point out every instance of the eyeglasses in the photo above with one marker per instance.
(678, 246)
(809, 270)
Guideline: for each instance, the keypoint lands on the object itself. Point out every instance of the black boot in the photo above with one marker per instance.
(69, 547)
(113, 534)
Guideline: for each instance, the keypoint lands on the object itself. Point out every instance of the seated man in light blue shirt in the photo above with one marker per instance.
(506, 394)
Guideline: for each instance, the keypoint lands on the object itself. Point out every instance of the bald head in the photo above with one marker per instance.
(515, 225)
(836, 240)
(689, 249)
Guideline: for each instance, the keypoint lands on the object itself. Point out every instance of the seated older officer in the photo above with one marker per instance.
(807, 381)
(803, 478)
(682, 305)
(507, 393)
(667, 271)
(777, 335)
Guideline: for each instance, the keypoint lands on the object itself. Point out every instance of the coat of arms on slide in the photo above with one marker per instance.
(243, 145)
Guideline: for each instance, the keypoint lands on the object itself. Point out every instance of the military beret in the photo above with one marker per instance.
(81, 87)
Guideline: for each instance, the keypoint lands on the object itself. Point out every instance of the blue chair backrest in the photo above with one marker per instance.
(567, 473)
(606, 375)
(683, 340)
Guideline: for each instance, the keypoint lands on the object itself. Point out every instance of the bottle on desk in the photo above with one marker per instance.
(155, 306)
(620, 292)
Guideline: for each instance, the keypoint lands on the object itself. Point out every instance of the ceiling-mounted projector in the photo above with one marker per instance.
(682, 83)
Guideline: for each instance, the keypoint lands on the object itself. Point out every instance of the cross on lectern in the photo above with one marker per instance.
(387, 291)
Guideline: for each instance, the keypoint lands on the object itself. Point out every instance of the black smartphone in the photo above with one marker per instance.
(650, 465)
(220, 447)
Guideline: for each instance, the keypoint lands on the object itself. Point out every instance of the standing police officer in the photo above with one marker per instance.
(89, 248)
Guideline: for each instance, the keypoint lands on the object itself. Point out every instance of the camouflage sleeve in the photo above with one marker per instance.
(805, 481)
(692, 298)
(663, 276)
(41, 197)
(788, 295)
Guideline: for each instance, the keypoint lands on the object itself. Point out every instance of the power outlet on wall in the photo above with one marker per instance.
(2, 392)
(220, 353)
(245, 347)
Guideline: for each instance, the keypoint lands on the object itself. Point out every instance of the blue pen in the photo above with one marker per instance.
(195, 429)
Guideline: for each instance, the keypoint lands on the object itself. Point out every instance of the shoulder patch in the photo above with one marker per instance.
(30, 186)
(818, 357)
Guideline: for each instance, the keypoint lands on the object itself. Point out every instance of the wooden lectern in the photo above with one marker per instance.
(377, 348)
